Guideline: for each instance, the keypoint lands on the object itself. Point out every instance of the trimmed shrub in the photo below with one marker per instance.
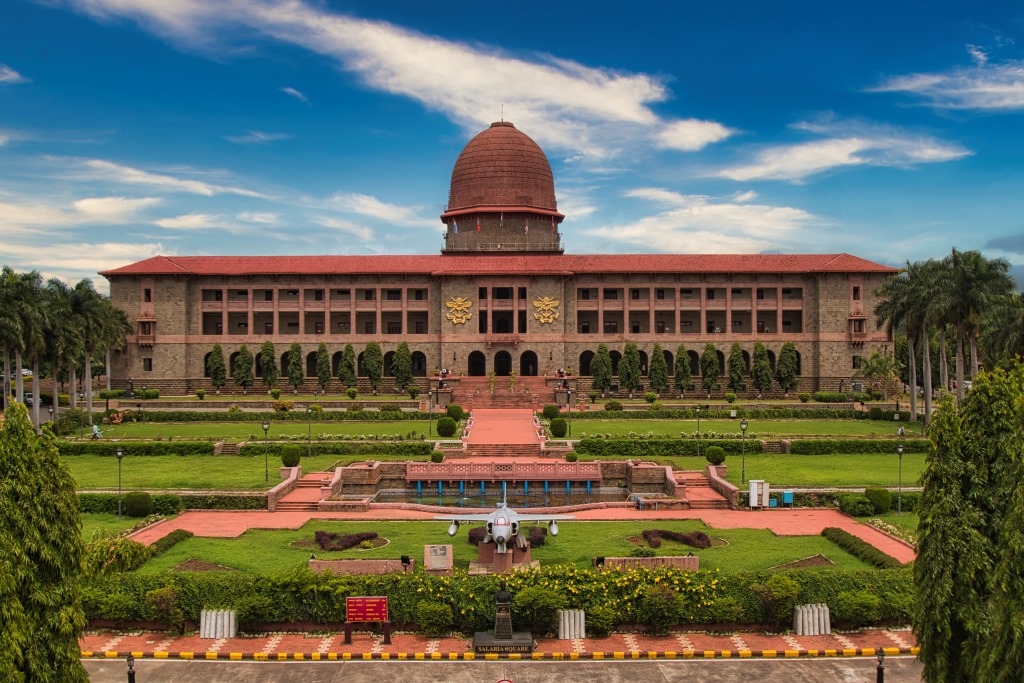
(446, 426)
(414, 392)
(777, 596)
(550, 412)
(283, 406)
(858, 607)
(437, 456)
(536, 608)
(356, 408)
(163, 603)
(658, 608)
(831, 397)
(652, 538)
(111, 393)
(390, 408)
(715, 455)
(347, 448)
(434, 618)
(328, 540)
(537, 536)
(455, 412)
(592, 395)
(559, 427)
(695, 539)
(830, 446)
(352, 392)
(600, 621)
(641, 551)
(135, 448)
(640, 448)
(170, 540)
(319, 409)
(138, 504)
(290, 455)
(613, 405)
(805, 397)
(730, 397)
(880, 498)
(650, 396)
(571, 456)
(275, 393)
(200, 394)
(149, 394)
(657, 405)
(856, 505)
(876, 413)
(476, 535)
(859, 548)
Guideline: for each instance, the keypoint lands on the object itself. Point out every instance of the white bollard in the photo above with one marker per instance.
(826, 620)
(215, 624)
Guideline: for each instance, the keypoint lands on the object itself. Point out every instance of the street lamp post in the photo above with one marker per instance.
(569, 394)
(698, 430)
(309, 431)
(266, 456)
(899, 484)
(120, 454)
(743, 452)
(143, 404)
(50, 410)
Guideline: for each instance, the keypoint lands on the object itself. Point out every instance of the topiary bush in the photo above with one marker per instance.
(876, 413)
(613, 405)
(860, 548)
(414, 392)
(434, 618)
(446, 426)
(275, 394)
(805, 397)
(571, 456)
(455, 412)
(200, 394)
(138, 504)
(641, 551)
(290, 455)
(592, 395)
(715, 455)
(650, 396)
(352, 392)
(730, 397)
(856, 505)
(559, 427)
(550, 412)
(857, 607)
(600, 621)
(355, 408)
(437, 456)
(880, 498)
(283, 406)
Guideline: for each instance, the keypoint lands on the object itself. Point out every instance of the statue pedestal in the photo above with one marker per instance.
(503, 640)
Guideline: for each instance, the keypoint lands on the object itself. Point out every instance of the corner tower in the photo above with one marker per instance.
(502, 196)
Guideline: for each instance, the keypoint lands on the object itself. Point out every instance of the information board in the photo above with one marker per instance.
(366, 609)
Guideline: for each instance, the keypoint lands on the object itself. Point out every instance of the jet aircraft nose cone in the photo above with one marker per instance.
(499, 539)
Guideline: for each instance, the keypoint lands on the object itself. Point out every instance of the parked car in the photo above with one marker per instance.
(30, 399)
(25, 372)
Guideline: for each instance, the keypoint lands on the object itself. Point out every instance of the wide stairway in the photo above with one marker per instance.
(305, 496)
(502, 433)
(699, 492)
(476, 391)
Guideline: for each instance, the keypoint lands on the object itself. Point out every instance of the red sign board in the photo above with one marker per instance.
(366, 609)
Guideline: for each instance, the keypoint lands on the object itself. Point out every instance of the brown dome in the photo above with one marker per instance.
(502, 168)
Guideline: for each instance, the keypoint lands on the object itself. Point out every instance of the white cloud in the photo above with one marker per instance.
(846, 144)
(985, 86)
(27, 216)
(200, 221)
(99, 169)
(9, 76)
(4, 139)
(257, 137)
(702, 225)
(565, 105)
(295, 93)
(372, 207)
(72, 261)
(360, 232)
(264, 217)
(114, 209)
(747, 196)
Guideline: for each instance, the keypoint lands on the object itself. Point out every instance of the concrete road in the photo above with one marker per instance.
(852, 670)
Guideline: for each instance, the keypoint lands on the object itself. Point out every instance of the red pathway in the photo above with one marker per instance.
(502, 426)
(789, 522)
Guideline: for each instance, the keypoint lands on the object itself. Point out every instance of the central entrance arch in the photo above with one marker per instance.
(528, 364)
(503, 364)
(477, 364)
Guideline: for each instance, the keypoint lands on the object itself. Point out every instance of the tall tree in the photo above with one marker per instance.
(373, 364)
(347, 367)
(710, 369)
(323, 367)
(882, 370)
(268, 364)
(41, 547)
(761, 374)
(787, 369)
(657, 373)
(34, 328)
(601, 369)
(898, 308)
(1002, 330)
(91, 317)
(629, 368)
(736, 367)
(243, 373)
(401, 366)
(295, 370)
(114, 336)
(216, 369)
(684, 374)
(10, 323)
(64, 340)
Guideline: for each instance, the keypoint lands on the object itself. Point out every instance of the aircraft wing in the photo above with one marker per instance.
(479, 517)
(542, 518)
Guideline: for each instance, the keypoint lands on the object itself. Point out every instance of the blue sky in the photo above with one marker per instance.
(130, 128)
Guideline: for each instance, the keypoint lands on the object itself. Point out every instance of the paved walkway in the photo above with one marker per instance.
(789, 522)
(502, 426)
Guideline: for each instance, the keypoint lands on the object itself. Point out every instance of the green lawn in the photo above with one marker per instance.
(270, 551)
(244, 431)
(94, 521)
(260, 394)
(760, 428)
(866, 469)
(907, 521)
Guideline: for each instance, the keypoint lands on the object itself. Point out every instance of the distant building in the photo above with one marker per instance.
(502, 296)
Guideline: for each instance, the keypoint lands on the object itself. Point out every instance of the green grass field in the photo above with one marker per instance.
(865, 469)
(92, 522)
(270, 551)
(244, 431)
(259, 393)
(760, 428)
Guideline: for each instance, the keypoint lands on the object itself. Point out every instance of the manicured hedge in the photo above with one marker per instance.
(296, 415)
(837, 397)
(642, 413)
(170, 540)
(173, 503)
(347, 448)
(70, 448)
(830, 446)
(302, 596)
(860, 549)
(662, 447)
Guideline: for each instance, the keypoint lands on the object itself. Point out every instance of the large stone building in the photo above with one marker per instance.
(501, 296)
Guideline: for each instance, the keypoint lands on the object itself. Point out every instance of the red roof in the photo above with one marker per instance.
(497, 264)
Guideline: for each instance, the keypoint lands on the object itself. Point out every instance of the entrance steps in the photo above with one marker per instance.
(774, 447)
(496, 450)
(698, 491)
(306, 495)
(476, 391)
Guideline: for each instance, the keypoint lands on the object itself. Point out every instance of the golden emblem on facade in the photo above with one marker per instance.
(458, 310)
(546, 309)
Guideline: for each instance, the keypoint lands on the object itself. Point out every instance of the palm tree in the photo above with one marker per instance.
(1002, 329)
(33, 334)
(10, 324)
(64, 339)
(116, 328)
(882, 370)
(91, 317)
(902, 307)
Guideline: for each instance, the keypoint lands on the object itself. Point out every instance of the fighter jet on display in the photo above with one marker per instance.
(503, 525)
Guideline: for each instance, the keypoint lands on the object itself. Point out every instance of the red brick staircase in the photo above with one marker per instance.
(496, 450)
(699, 493)
(306, 495)
(476, 391)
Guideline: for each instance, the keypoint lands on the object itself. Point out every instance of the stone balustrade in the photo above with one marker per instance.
(503, 471)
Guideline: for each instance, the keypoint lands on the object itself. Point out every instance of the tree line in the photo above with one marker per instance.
(53, 323)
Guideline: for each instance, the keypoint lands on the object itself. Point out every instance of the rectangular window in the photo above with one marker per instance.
(394, 295)
(611, 327)
(369, 327)
(736, 291)
(394, 328)
(318, 328)
(268, 328)
(585, 327)
(268, 295)
(611, 294)
(147, 295)
(858, 326)
(147, 365)
(636, 327)
(369, 295)
(856, 293)
(213, 295)
(318, 295)
(634, 294)
(482, 294)
(522, 293)
(659, 294)
(711, 294)
(242, 293)
(760, 294)
(146, 328)
(421, 327)
(584, 295)
(419, 294)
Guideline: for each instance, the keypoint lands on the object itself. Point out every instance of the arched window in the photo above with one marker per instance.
(419, 364)
(206, 364)
(528, 364)
(311, 364)
(477, 364)
(585, 359)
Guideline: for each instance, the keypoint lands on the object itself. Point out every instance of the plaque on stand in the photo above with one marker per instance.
(503, 640)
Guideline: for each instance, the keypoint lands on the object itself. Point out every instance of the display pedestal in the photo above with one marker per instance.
(503, 640)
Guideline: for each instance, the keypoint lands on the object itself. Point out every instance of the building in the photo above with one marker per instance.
(501, 296)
